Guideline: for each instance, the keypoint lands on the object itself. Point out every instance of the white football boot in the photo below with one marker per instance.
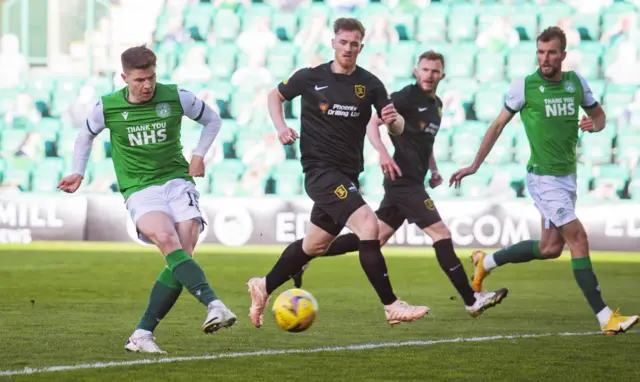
(143, 341)
(486, 300)
(218, 316)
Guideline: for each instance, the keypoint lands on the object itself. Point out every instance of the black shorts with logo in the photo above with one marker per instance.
(407, 201)
(336, 197)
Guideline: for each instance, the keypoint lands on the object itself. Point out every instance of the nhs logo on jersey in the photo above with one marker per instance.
(147, 134)
(559, 107)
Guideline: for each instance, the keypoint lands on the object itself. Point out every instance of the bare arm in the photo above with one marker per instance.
(598, 116)
(490, 138)
(433, 166)
(373, 133)
(276, 112)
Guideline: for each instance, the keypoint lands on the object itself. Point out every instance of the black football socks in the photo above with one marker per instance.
(451, 265)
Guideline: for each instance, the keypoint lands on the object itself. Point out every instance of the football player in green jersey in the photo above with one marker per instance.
(144, 122)
(548, 102)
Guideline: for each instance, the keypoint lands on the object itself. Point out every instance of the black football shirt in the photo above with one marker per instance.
(413, 148)
(336, 109)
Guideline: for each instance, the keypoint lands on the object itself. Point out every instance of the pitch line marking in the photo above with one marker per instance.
(102, 365)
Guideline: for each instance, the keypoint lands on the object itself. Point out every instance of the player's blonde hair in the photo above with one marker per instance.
(138, 57)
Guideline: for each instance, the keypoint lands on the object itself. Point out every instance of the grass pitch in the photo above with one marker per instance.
(77, 303)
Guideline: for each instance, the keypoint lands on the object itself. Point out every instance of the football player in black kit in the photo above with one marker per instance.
(336, 106)
(405, 195)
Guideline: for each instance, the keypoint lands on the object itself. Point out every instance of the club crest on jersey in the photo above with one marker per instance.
(429, 204)
(423, 125)
(569, 87)
(163, 110)
(360, 91)
(324, 107)
(341, 192)
(440, 112)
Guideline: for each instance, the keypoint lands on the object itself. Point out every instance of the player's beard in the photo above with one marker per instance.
(551, 71)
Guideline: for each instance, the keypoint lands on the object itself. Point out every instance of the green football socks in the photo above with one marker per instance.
(521, 252)
(586, 278)
(188, 273)
(164, 295)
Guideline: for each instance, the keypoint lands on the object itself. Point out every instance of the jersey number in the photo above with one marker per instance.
(193, 200)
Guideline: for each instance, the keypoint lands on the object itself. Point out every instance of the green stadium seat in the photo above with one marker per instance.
(225, 177)
(405, 24)
(222, 60)
(20, 177)
(490, 66)
(475, 186)
(315, 8)
(588, 24)
(373, 180)
(521, 61)
(488, 104)
(102, 175)
(525, 20)
(597, 88)
(502, 151)
(103, 85)
(465, 87)
(628, 149)
(491, 13)
(203, 184)
(12, 140)
(442, 145)
(254, 12)
(464, 147)
(461, 61)
(551, 13)
(590, 53)
(288, 177)
(280, 60)
(522, 148)
(613, 12)
(7, 98)
(199, 17)
(595, 148)
(47, 174)
(402, 68)
(611, 174)
(285, 25)
(462, 23)
(432, 23)
(246, 140)
(584, 175)
(226, 25)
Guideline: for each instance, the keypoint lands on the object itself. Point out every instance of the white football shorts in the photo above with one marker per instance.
(177, 198)
(555, 197)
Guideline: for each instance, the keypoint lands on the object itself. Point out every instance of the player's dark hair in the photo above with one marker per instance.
(553, 33)
(430, 55)
(138, 57)
(348, 24)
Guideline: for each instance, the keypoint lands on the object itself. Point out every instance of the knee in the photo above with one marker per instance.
(314, 248)
(438, 231)
(167, 240)
(369, 229)
(551, 252)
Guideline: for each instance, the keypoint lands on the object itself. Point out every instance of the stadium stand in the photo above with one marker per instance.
(231, 53)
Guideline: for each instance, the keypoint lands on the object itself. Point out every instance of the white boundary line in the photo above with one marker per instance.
(101, 365)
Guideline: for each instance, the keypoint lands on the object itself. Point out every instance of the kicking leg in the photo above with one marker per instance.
(475, 303)
(364, 223)
(550, 246)
(294, 257)
(342, 245)
(611, 323)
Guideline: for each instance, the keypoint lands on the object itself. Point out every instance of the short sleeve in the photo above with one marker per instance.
(515, 98)
(95, 121)
(380, 97)
(192, 106)
(294, 85)
(399, 100)
(589, 101)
